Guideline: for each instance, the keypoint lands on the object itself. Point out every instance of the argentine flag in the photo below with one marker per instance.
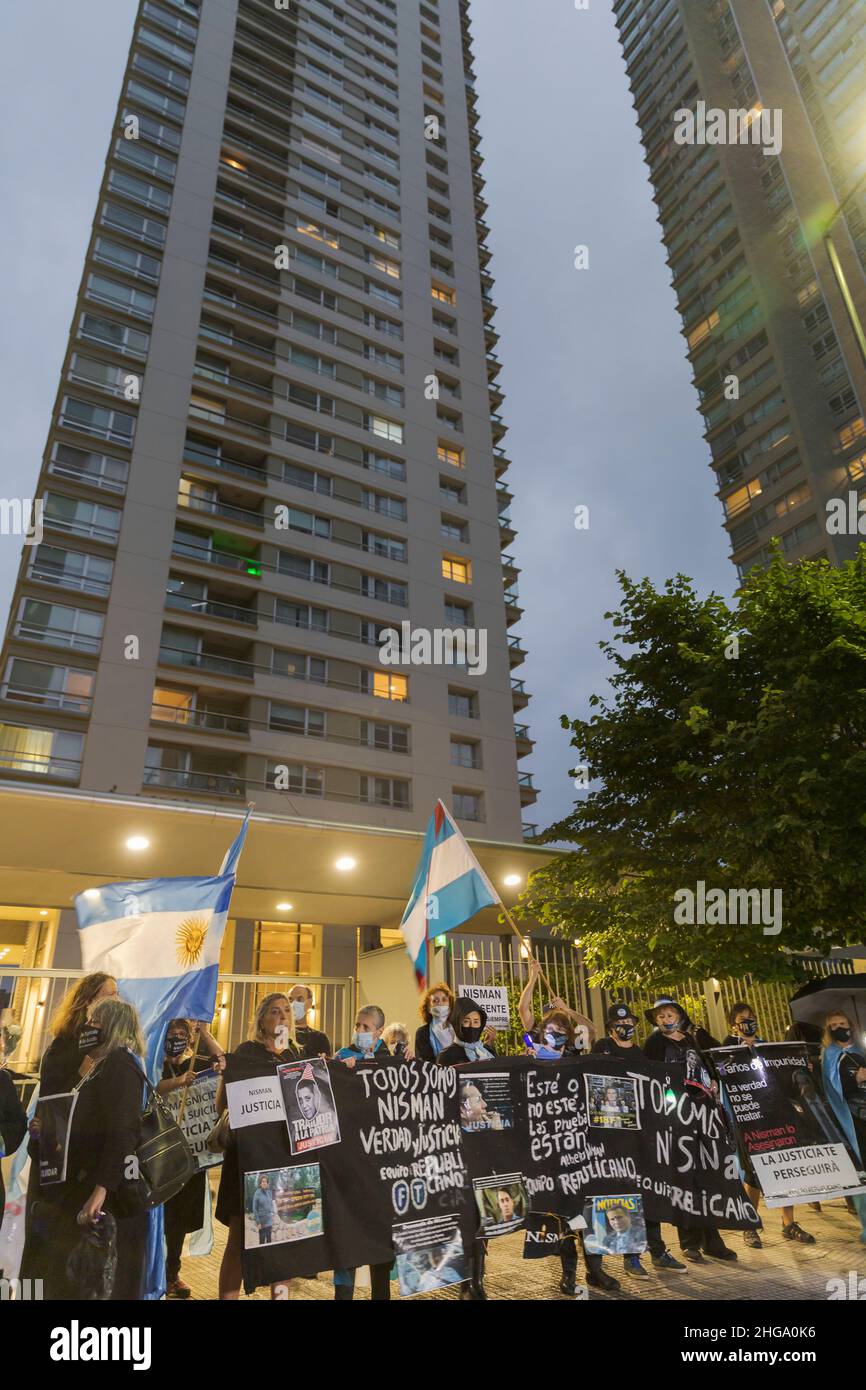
(450, 887)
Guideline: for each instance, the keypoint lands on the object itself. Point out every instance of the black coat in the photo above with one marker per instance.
(13, 1124)
(455, 1055)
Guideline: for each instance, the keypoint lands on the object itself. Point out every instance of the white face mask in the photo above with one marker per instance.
(440, 1012)
(299, 1009)
(364, 1041)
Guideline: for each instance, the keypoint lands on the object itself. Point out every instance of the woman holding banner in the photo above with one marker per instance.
(557, 1019)
(271, 1042)
(843, 1067)
(744, 1033)
(102, 1136)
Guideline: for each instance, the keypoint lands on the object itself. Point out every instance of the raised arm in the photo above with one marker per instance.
(524, 1003)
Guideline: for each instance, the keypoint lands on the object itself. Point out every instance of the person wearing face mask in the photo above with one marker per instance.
(557, 1013)
(621, 1041)
(367, 1040)
(435, 1033)
(271, 1042)
(468, 1020)
(676, 1039)
(744, 1033)
(843, 1068)
(311, 1042)
(184, 1212)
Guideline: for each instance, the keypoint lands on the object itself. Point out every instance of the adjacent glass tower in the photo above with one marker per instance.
(277, 434)
(767, 250)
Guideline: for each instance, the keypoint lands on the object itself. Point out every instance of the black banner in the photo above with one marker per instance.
(428, 1157)
(788, 1136)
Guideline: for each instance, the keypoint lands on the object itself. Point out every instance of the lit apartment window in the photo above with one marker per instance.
(702, 331)
(443, 294)
(207, 408)
(40, 752)
(450, 453)
(389, 687)
(458, 571)
(385, 429)
(59, 687)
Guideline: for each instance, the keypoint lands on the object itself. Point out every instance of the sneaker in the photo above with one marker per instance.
(632, 1265)
(176, 1288)
(667, 1261)
(795, 1232)
(753, 1240)
(602, 1281)
(694, 1257)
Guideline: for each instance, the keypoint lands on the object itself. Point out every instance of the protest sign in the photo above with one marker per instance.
(786, 1131)
(494, 999)
(54, 1114)
(199, 1115)
(309, 1103)
(615, 1225)
(422, 1168)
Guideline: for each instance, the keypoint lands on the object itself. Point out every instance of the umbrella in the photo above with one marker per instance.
(821, 996)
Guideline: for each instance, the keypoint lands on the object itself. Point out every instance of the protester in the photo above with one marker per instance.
(468, 1020)
(677, 1039)
(263, 1209)
(62, 1066)
(367, 1041)
(555, 1016)
(744, 1033)
(102, 1140)
(843, 1068)
(13, 1124)
(435, 1033)
(367, 1045)
(271, 1042)
(620, 1041)
(311, 1042)
(184, 1212)
(395, 1036)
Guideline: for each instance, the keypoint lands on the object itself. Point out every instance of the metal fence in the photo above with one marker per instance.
(36, 995)
(491, 960)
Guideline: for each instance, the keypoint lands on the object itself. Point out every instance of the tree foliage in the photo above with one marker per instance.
(731, 749)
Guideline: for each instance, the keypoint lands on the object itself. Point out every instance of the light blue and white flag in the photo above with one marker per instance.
(160, 938)
(450, 887)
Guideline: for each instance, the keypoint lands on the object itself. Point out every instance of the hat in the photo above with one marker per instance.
(660, 1003)
(617, 1013)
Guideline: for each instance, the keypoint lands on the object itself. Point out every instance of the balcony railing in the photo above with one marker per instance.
(207, 661)
(57, 637)
(214, 507)
(211, 608)
(39, 765)
(214, 721)
(220, 783)
(49, 699)
(529, 831)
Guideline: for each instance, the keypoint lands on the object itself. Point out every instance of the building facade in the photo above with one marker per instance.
(764, 221)
(276, 439)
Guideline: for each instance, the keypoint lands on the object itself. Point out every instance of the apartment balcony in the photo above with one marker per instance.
(528, 793)
(524, 743)
(494, 366)
(201, 548)
(519, 696)
(243, 462)
(507, 533)
(530, 832)
(221, 502)
(510, 569)
(187, 650)
(513, 611)
(201, 599)
(501, 462)
(491, 337)
(496, 396)
(197, 711)
(498, 427)
(228, 781)
(517, 653)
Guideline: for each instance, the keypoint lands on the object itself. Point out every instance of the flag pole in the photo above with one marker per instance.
(185, 1096)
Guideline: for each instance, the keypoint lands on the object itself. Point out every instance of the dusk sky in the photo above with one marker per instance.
(599, 402)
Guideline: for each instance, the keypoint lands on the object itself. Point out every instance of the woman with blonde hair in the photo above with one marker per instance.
(271, 1042)
(63, 1064)
(103, 1138)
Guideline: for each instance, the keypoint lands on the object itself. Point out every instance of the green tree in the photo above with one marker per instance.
(731, 749)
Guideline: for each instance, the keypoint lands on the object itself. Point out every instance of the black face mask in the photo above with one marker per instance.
(840, 1035)
(89, 1038)
(748, 1026)
(624, 1031)
(175, 1047)
(470, 1034)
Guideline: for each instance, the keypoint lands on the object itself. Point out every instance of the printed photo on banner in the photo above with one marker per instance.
(54, 1114)
(311, 1113)
(502, 1203)
(199, 1115)
(430, 1254)
(282, 1204)
(611, 1102)
(615, 1225)
(485, 1101)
